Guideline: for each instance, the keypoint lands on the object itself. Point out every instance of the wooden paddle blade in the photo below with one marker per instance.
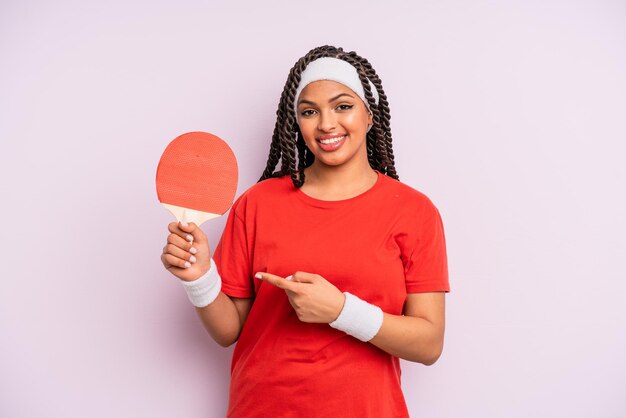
(197, 171)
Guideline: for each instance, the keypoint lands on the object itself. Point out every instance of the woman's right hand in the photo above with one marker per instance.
(187, 254)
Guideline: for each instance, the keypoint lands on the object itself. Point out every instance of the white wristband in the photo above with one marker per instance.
(204, 290)
(359, 318)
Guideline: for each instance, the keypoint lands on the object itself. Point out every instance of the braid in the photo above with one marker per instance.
(274, 155)
(379, 138)
(287, 144)
(383, 106)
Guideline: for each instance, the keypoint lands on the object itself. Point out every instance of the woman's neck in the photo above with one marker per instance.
(339, 182)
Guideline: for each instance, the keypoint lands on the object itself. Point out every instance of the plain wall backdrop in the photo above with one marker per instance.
(509, 115)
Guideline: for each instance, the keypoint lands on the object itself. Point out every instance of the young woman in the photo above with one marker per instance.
(329, 270)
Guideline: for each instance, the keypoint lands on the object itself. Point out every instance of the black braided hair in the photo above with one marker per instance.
(288, 146)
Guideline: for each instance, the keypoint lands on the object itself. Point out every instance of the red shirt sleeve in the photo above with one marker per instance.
(426, 269)
(232, 256)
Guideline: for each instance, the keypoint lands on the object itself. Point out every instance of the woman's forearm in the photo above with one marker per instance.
(221, 319)
(410, 338)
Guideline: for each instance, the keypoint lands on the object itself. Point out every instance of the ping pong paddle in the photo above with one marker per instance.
(196, 178)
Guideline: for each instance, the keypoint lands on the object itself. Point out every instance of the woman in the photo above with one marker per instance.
(329, 270)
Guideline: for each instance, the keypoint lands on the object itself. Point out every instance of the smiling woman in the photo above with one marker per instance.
(333, 121)
(330, 269)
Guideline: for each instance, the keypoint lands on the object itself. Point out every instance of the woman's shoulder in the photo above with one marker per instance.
(270, 186)
(265, 190)
(406, 196)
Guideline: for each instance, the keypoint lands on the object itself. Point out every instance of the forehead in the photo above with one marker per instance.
(326, 88)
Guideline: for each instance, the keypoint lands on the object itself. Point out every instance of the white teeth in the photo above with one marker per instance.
(332, 140)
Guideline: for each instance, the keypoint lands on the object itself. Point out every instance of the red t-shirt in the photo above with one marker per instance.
(379, 246)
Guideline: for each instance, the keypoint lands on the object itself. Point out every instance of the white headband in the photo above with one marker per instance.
(334, 69)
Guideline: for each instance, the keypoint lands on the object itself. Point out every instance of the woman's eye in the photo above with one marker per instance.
(308, 112)
(344, 107)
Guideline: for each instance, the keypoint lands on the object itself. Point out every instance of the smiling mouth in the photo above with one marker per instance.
(330, 141)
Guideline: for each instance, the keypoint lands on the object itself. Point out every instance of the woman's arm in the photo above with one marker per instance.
(188, 257)
(225, 317)
(418, 334)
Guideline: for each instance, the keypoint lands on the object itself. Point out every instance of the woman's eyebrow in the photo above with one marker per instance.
(340, 95)
(329, 101)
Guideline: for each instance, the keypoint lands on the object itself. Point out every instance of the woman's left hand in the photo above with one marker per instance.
(314, 298)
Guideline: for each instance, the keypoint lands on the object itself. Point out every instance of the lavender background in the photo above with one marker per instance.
(509, 115)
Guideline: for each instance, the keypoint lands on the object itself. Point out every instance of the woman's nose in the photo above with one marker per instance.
(327, 121)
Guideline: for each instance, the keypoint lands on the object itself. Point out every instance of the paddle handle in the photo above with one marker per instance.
(189, 215)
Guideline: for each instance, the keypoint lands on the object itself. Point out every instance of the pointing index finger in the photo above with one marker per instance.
(283, 283)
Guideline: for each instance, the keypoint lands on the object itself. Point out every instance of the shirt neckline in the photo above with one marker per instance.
(333, 203)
